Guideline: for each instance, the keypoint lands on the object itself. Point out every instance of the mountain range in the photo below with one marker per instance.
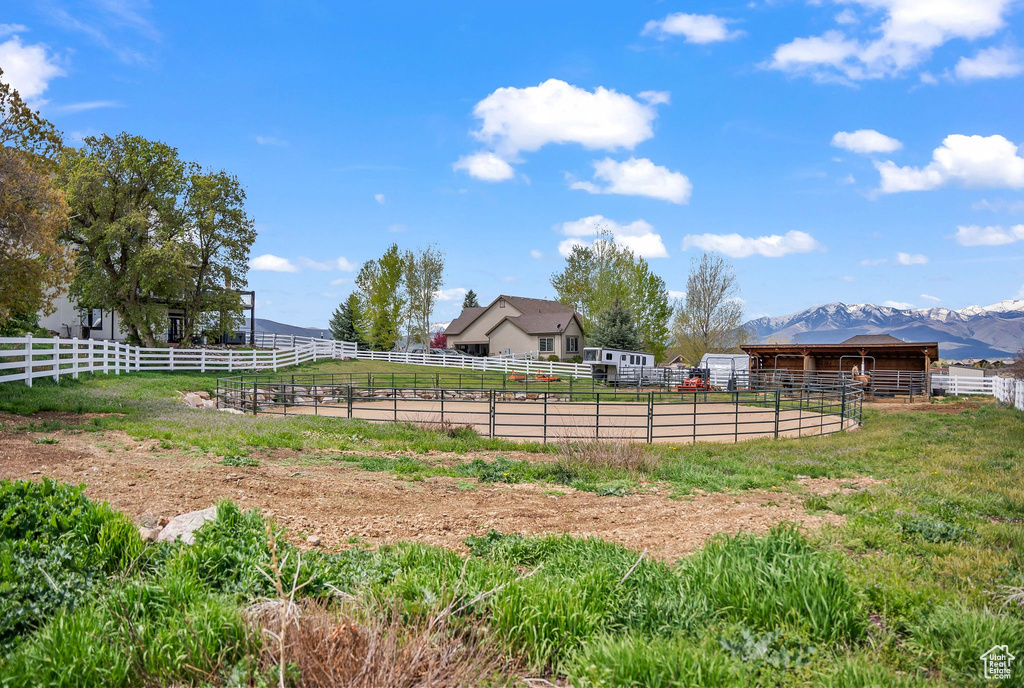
(991, 332)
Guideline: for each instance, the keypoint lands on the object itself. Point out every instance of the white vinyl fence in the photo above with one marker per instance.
(1009, 391)
(505, 364)
(24, 359)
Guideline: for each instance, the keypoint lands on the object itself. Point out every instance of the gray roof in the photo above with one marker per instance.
(467, 316)
(538, 316)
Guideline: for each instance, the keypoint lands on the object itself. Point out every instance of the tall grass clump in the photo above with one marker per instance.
(777, 580)
(56, 546)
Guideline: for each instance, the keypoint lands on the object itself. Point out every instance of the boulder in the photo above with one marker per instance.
(203, 395)
(183, 526)
(232, 410)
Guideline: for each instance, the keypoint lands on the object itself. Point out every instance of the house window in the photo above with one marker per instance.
(547, 345)
(607, 357)
(501, 303)
(572, 345)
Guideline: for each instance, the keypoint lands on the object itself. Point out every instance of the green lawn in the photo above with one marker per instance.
(925, 574)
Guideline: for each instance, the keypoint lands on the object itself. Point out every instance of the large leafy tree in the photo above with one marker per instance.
(711, 318)
(597, 276)
(217, 237)
(383, 301)
(345, 320)
(133, 254)
(615, 329)
(424, 276)
(32, 214)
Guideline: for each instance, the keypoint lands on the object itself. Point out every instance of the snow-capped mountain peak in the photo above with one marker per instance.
(995, 331)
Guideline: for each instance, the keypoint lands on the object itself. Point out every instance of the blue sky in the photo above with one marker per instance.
(837, 151)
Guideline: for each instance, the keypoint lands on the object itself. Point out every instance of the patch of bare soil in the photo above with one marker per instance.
(969, 403)
(341, 505)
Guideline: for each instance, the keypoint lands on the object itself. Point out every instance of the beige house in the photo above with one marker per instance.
(518, 325)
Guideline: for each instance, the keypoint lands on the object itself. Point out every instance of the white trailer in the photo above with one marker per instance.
(618, 365)
(723, 367)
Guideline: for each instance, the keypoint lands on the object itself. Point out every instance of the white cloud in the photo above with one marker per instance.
(638, 236)
(990, 63)
(899, 305)
(535, 254)
(999, 205)
(911, 258)
(905, 36)
(272, 263)
(696, 28)
(8, 29)
(28, 68)
(673, 294)
(270, 141)
(655, 97)
(865, 141)
(380, 198)
(638, 177)
(871, 262)
(525, 119)
(72, 108)
(970, 161)
(486, 166)
(929, 297)
(975, 235)
(736, 246)
(453, 294)
(345, 265)
(847, 16)
(339, 281)
(849, 278)
(315, 265)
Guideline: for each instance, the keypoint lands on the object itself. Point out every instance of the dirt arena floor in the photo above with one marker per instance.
(535, 420)
(313, 494)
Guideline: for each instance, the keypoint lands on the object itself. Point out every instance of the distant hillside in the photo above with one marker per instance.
(995, 331)
(272, 327)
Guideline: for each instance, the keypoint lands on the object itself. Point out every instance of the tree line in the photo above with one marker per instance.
(400, 287)
(625, 305)
(123, 222)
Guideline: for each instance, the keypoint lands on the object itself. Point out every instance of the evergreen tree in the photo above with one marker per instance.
(615, 329)
(344, 320)
(470, 301)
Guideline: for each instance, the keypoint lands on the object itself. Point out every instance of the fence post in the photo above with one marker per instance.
(202, 360)
(842, 411)
(56, 359)
(778, 393)
(490, 415)
(597, 417)
(545, 417)
(348, 401)
(650, 416)
(28, 360)
(254, 402)
(170, 356)
(74, 358)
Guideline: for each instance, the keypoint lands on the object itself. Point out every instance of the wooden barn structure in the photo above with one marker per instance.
(892, 365)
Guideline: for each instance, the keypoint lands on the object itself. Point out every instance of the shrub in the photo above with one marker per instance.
(632, 660)
(935, 530)
(55, 547)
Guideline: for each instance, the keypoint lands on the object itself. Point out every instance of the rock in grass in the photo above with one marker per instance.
(183, 526)
(313, 540)
(150, 534)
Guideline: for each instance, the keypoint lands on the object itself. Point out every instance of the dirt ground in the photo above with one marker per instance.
(343, 505)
